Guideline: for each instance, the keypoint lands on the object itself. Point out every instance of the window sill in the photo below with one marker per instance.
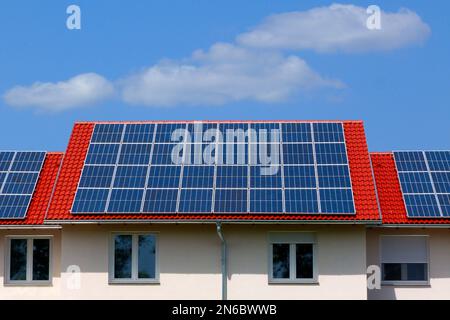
(406, 283)
(28, 284)
(134, 282)
(294, 282)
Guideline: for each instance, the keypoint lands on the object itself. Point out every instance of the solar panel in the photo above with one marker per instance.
(19, 173)
(201, 168)
(425, 182)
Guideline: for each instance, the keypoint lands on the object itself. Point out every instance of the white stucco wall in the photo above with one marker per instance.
(189, 263)
(439, 265)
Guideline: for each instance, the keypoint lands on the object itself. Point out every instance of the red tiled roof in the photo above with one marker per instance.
(360, 170)
(42, 194)
(390, 195)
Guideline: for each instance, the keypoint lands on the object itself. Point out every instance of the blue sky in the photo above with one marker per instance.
(402, 93)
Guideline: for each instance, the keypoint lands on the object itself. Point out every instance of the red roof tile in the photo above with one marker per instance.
(360, 170)
(42, 194)
(390, 195)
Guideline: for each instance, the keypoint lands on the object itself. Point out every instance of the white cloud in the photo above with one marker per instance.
(224, 73)
(84, 89)
(336, 28)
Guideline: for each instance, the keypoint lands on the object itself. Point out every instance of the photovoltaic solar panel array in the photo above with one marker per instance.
(19, 172)
(425, 182)
(229, 168)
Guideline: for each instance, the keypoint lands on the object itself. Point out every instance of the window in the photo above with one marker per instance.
(404, 260)
(28, 260)
(133, 258)
(292, 258)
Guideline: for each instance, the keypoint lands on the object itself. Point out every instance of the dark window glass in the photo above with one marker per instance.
(280, 261)
(392, 271)
(417, 272)
(122, 256)
(18, 263)
(41, 259)
(304, 261)
(147, 256)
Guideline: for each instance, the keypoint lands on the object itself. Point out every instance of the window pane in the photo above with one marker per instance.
(18, 263)
(304, 261)
(122, 256)
(392, 272)
(280, 261)
(147, 257)
(41, 259)
(417, 272)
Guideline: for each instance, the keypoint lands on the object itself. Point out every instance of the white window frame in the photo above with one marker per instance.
(293, 238)
(405, 282)
(134, 258)
(29, 268)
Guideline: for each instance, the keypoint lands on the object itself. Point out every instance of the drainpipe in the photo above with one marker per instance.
(223, 261)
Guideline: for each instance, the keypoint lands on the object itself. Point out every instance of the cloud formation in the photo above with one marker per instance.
(81, 90)
(255, 67)
(336, 28)
(225, 73)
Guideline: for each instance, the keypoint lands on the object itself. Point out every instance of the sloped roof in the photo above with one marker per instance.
(42, 194)
(390, 196)
(72, 166)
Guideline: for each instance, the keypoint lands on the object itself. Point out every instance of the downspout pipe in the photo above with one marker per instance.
(223, 260)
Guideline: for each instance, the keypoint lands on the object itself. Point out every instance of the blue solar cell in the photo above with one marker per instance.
(164, 177)
(90, 201)
(107, 133)
(296, 132)
(5, 160)
(328, 132)
(299, 177)
(195, 201)
(231, 177)
(337, 201)
(164, 154)
(14, 207)
(198, 176)
(102, 154)
(410, 161)
(234, 132)
(421, 205)
(170, 132)
(138, 133)
(200, 153)
(266, 201)
(441, 181)
(415, 182)
(135, 154)
(265, 133)
(130, 177)
(20, 183)
(438, 160)
(444, 201)
(232, 154)
(334, 177)
(161, 201)
(202, 132)
(301, 201)
(230, 201)
(2, 178)
(260, 177)
(125, 201)
(96, 177)
(28, 161)
(298, 154)
(331, 153)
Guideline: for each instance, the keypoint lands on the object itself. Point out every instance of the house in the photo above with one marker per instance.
(219, 210)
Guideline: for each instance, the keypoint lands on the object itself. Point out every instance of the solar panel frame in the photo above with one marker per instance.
(161, 134)
(425, 163)
(19, 182)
